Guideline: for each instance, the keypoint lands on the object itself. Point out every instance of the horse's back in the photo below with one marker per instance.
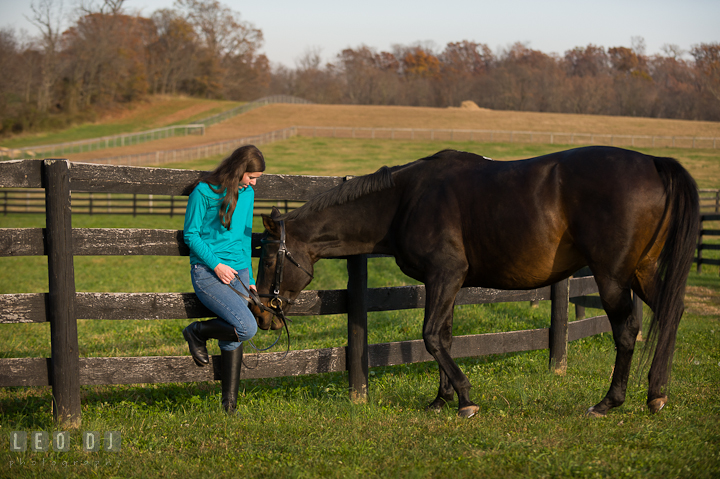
(527, 223)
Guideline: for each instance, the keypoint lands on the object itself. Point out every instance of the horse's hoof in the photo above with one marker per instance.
(593, 413)
(657, 404)
(438, 404)
(468, 411)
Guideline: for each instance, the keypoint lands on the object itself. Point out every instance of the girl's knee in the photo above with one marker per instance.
(250, 331)
(247, 328)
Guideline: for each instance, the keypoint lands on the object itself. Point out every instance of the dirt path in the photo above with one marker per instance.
(277, 116)
(702, 301)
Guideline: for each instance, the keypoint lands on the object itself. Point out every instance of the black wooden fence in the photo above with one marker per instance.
(32, 201)
(702, 245)
(709, 200)
(709, 213)
(65, 371)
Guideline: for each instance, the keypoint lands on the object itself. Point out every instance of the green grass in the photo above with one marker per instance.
(341, 157)
(530, 423)
(135, 120)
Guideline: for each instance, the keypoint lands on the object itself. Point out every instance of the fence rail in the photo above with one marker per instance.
(654, 141)
(203, 151)
(217, 148)
(128, 139)
(702, 245)
(32, 201)
(251, 106)
(195, 152)
(62, 306)
(709, 200)
(104, 142)
(710, 213)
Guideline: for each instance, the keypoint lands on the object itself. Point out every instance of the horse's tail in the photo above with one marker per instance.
(682, 204)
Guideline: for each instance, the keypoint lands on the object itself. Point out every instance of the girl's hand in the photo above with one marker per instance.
(225, 273)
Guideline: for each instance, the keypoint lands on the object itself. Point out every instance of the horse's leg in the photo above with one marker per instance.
(437, 333)
(445, 395)
(617, 302)
(644, 286)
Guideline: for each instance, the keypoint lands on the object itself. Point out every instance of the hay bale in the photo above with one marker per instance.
(469, 105)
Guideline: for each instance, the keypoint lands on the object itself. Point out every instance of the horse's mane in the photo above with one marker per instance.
(456, 154)
(346, 192)
(363, 185)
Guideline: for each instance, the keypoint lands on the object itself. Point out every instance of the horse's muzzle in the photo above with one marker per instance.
(265, 319)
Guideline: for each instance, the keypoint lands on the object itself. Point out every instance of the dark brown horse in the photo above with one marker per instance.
(456, 219)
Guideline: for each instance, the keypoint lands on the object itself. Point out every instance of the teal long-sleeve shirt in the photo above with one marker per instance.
(209, 241)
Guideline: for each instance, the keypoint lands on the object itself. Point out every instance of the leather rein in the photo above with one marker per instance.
(276, 302)
(283, 253)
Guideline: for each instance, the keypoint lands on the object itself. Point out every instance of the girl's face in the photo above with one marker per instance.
(249, 179)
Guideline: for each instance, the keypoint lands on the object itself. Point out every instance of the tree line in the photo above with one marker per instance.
(203, 48)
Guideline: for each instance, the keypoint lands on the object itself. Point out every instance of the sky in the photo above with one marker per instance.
(293, 28)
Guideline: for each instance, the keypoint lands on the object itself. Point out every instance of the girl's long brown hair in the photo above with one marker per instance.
(226, 177)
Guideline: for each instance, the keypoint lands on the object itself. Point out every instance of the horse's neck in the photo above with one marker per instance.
(354, 228)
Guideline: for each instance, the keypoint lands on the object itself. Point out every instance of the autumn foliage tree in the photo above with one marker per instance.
(707, 63)
(107, 55)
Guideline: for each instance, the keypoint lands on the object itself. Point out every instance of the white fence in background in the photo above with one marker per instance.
(58, 150)
(500, 136)
(411, 134)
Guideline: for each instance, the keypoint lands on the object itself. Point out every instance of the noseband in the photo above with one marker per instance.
(276, 300)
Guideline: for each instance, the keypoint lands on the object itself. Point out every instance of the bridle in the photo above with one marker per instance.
(276, 302)
(283, 253)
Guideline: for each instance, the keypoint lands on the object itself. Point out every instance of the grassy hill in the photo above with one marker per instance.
(155, 112)
(531, 422)
(164, 111)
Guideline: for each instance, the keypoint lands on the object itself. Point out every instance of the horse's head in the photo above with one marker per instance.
(285, 269)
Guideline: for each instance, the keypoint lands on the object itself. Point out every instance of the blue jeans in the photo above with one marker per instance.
(226, 303)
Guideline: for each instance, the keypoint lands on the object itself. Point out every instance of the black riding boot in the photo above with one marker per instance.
(230, 363)
(197, 334)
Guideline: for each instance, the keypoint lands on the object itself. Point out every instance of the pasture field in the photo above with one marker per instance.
(530, 424)
(341, 157)
(277, 116)
(156, 112)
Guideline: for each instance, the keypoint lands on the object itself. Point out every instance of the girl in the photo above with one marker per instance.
(218, 230)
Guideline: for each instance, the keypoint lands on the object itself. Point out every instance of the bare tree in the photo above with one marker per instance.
(47, 17)
(220, 28)
(172, 56)
(9, 59)
(707, 61)
(461, 65)
(228, 46)
(370, 78)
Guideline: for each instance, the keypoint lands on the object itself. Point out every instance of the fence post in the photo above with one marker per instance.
(357, 358)
(579, 312)
(638, 314)
(699, 246)
(560, 297)
(65, 370)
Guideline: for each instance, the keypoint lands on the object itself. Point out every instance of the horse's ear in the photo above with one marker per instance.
(275, 212)
(270, 225)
